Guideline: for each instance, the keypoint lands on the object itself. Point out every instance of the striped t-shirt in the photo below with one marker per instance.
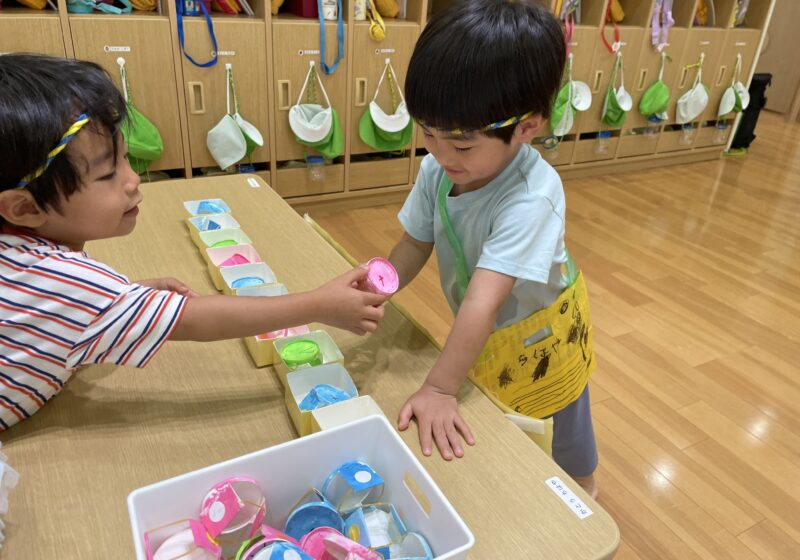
(59, 309)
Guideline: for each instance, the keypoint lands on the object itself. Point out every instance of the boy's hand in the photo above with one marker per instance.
(170, 284)
(437, 419)
(343, 305)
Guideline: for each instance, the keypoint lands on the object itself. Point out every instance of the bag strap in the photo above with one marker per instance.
(123, 76)
(737, 72)
(391, 78)
(618, 70)
(699, 65)
(339, 39)
(312, 70)
(612, 48)
(661, 23)
(182, 40)
(229, 87)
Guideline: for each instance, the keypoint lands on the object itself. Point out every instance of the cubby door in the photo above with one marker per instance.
(368, 63)
(700, 41)
(742, 42)
(146, 47)
(582, 46)
(602, 68)
(39, 32)
(295, 45)
(648, 68)
(242, 44)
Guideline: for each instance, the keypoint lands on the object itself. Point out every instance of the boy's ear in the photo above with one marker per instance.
(18, 208)
(529, 128)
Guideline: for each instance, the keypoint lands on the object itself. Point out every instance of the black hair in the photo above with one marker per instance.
(40, 98)
(478, 62)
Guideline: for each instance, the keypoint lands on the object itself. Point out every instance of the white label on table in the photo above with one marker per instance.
(567, 496)
(253, 183)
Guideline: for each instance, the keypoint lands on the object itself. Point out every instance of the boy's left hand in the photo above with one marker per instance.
(170, 284)
(437, 419)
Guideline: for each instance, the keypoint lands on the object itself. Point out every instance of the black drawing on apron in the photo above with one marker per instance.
(541, 367)
(505, 378)
(576, 329)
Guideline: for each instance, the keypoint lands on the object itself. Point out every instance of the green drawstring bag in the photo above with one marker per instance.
(382, 131)
(655, 100)
(562, 115)
(145, 144)
(313, 125)
(618, 101)
(572, 97)
(736, 98)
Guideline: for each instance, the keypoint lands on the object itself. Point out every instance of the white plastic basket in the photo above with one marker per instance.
(286, 471)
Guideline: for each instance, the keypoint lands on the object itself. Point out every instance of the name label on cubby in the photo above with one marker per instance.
(741, 44)
(705, 43)
(304, 52)
(113, 48)
(224, 53)
(385, 51)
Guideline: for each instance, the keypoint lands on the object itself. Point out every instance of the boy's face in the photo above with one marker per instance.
(470, 160)
(108, 201)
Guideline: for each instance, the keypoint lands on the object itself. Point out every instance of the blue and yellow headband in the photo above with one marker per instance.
(494, 126)
(68, 135)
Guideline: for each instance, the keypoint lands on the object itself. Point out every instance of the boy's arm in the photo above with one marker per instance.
(408, 257)
(434, 404)
(337, 303)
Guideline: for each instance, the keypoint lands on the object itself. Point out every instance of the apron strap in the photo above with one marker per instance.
(463, 275)
(462, 271)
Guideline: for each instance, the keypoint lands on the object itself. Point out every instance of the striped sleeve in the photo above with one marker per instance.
(131, 329)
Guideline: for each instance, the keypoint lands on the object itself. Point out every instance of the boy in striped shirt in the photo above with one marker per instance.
(65, 180)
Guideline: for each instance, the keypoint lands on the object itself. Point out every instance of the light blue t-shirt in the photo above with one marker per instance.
(514, 225)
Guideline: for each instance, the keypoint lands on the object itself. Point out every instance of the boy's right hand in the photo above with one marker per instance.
(344, 306)
(438, 421)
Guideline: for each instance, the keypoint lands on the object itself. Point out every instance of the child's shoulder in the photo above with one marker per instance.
(534, 178)
(46, 261)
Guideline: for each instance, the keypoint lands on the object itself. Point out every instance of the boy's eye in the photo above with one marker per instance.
(463, 149)
(108, 177)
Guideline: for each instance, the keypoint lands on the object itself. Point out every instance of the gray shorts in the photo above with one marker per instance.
(574, 447)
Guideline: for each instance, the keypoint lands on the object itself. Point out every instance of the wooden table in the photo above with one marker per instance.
(115, 429)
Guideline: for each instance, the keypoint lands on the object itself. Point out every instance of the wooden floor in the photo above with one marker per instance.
(694, 275)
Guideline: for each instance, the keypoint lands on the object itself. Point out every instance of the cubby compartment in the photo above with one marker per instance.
(293, 179)
(380, 172)
(714, 133)
(596, 146)
(677, 137)
(555, 152)
(638, 142)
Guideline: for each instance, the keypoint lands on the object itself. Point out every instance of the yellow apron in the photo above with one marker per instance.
(538, 379)
(541, 364)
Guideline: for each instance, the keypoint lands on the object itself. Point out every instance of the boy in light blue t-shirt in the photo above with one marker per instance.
(481, 83)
